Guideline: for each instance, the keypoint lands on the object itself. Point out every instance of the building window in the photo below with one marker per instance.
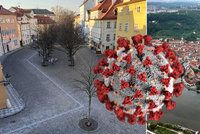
(126, 27)
(138, 9)
(127, 10)
(108, 37)
(114, 37)
(107, 47)
(136, 28)
(120, 27)
(108, 25)
(115, 25)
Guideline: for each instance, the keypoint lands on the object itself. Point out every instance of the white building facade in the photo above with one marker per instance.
(85, 14)
(102, 25)
(25, 30)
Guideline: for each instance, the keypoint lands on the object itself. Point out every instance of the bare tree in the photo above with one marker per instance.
(61, 13)
(85, 83)
(70, 37)
(46, 39)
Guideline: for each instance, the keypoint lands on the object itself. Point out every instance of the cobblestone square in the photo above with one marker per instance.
(52, 104)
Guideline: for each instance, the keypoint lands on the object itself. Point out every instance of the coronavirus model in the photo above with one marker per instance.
(138, 79)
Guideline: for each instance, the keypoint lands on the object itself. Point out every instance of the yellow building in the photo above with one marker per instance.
(131, 18)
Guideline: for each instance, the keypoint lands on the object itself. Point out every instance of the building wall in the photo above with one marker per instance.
(108, 44)
(99, 32)
(10, 33)
(95, 29)
(24, 30)
(26, 33)
(33, 27)
(77, 21)
(135, 16)
(84, 16)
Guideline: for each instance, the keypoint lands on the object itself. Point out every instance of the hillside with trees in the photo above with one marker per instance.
(183, 24)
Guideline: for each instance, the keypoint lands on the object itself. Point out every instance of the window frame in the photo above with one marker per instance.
(108, 37)
(108, 25)
(126, 27)
(120, 26)
(138, 9)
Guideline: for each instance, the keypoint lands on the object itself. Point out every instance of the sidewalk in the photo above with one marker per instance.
(16, 102)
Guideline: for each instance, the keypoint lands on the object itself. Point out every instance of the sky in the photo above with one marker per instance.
(69, 4)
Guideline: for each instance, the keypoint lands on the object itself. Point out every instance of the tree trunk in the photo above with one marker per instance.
(71, 61)
(89, 111)
(71, 58)
(89, 106)
(44, 61)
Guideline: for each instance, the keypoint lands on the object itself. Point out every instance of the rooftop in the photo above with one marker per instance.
(4, 11)
(130, 2)
(42, 11)
(26, 11)
(110, 14)
(107, 9)
(103, 5)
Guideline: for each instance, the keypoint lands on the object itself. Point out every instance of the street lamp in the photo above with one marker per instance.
(2, 40)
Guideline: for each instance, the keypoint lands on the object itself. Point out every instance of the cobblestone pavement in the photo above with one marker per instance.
(53, 105)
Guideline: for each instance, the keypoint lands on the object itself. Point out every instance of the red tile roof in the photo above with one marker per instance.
(19, 14)
(107, 9)
(110, 14)
(22, 10)
(4, 11)
(103, 5)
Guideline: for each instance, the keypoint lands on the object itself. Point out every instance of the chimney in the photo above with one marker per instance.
(1, 7)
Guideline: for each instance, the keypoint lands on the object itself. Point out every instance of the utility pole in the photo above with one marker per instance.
(2, 41)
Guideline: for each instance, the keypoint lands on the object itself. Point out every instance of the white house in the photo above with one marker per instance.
(102, 25)
(29, 21)
(85, 14)
(24, 24)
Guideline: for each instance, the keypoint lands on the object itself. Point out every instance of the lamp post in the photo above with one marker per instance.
(2, 40)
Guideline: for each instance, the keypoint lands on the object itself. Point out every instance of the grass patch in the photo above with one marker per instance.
(160, 130)
(165, 128)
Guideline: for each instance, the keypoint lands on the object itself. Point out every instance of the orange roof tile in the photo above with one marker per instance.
(103, 5)
(110, 14)
(107, 9)
(4, 11)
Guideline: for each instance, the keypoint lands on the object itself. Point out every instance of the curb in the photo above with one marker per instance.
(5, 56)
(17, 104)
